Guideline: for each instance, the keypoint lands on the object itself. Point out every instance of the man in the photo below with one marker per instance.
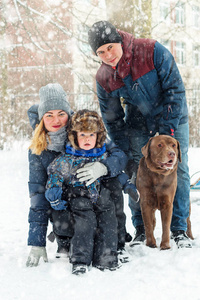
(143, 74)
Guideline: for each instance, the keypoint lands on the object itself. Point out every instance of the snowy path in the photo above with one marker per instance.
(152, 274)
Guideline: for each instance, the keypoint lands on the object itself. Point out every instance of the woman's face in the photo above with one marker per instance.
(86, 140)
(55, 119)
(110, 54)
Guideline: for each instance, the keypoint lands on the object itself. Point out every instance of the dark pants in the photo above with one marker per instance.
(63, 220)
(95, 230)
(117, 197)
(63, 224)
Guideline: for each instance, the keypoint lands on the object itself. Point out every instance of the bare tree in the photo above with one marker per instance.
(136, 17)
(46, 41)
(41, 42)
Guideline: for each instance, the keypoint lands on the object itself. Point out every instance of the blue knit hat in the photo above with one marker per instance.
(53, 97)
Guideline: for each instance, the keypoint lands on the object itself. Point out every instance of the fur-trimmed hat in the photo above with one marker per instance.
(102, 33)
(88, 121)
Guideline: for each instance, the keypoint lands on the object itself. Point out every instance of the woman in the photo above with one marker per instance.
(49, 138)
(52, 115)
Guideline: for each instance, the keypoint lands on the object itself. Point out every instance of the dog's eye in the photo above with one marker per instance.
(159, 145)
(174, 145)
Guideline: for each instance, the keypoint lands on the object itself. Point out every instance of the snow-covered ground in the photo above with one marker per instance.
(151, 274)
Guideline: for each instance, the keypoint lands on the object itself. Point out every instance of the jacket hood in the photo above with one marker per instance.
(33, 115)
(127, 44)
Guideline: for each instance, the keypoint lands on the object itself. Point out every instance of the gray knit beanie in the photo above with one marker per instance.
(53, 97)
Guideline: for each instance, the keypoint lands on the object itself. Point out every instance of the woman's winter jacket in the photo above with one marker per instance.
(148, 81)
(40, 210)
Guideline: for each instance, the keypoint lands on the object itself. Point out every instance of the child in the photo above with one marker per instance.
(95, 227)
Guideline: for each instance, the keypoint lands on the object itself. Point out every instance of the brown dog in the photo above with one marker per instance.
(157, 183)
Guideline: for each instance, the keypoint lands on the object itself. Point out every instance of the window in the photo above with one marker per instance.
(180, 53)
(167, 44)
(196, 56)
(196, 97)
(196, 16)
(180, 14)
(85, 94)
(165, 11)
(83, 39)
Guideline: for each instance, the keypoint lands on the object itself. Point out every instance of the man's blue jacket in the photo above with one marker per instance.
(148, 81)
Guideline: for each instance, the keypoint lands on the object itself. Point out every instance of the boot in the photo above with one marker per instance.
(123, 255)
(181, 239)
(128, 237)
(79, 269)
(63, 246)
(140, 236)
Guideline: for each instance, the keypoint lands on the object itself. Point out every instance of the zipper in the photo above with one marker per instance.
(135, 86)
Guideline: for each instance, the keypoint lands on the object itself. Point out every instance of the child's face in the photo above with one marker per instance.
(86, 140)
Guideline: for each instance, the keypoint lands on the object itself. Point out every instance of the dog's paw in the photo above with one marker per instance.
(164, 246)
(151, 245)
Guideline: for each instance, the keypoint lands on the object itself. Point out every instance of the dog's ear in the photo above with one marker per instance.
(179, 151)
(146, 149)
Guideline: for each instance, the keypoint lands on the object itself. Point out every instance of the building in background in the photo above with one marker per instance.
(46, 41)
(43, 42)
(176, 24)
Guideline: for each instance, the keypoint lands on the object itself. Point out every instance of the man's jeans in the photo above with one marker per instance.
(182, 198)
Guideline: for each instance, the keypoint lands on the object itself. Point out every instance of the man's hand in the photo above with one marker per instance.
(91, 171)
(34, 256)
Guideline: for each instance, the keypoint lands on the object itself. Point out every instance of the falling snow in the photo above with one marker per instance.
(151, 274)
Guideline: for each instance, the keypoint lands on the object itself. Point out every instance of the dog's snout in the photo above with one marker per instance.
(171, 154)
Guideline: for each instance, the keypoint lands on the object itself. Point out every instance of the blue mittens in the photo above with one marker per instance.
(53, 195)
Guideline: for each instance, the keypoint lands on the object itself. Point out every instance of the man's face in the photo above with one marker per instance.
(110, 54)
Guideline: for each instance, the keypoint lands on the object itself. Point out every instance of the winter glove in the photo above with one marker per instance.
(91, 172)
(34, 256)
(53, 195)
(58, 204)
(131, 168)
(130, 189)
(151, 125)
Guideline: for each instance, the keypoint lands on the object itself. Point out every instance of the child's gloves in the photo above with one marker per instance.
(34, 256)
(91, 171)
(53, 195)
(130, 189)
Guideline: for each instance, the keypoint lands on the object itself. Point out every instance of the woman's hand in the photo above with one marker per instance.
(34, 256)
